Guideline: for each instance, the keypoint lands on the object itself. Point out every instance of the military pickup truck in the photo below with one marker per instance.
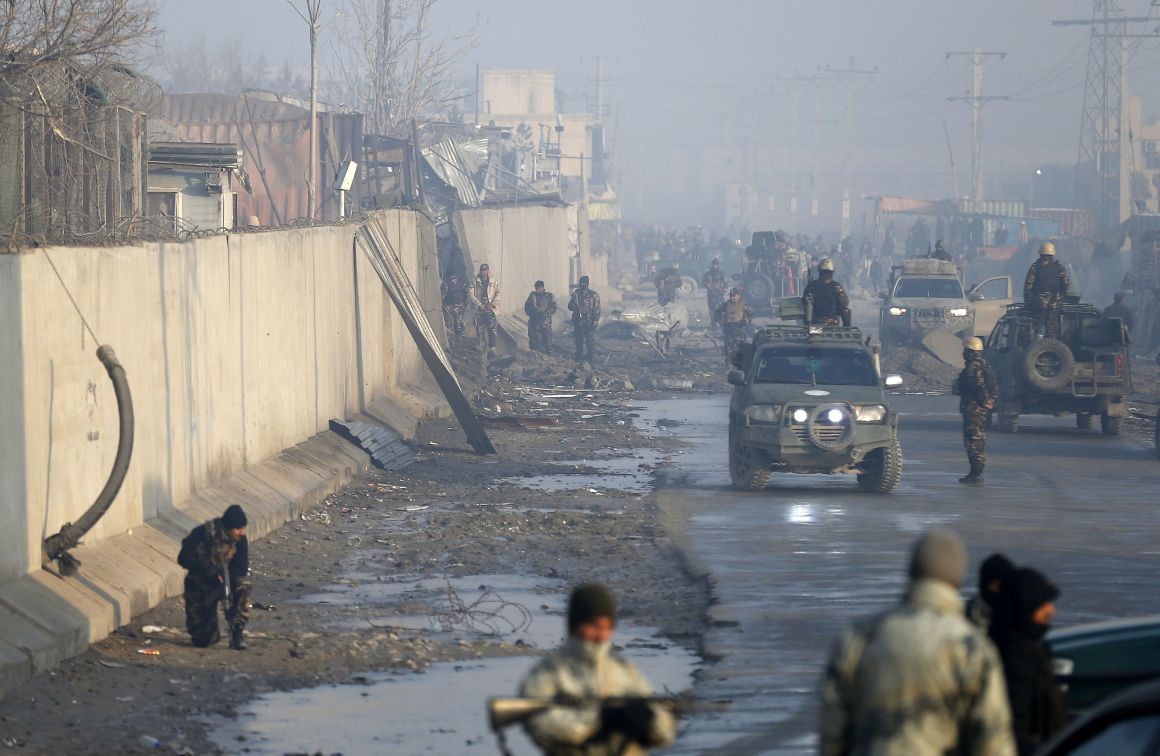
(925, 303)
(810, 399)
(1086, 371)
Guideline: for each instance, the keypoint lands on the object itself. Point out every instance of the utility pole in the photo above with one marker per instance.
(793, 152)
(311, 15)
(816, 81)
(599, 88)
(977, 100)
(848, 75)
(1105, 160)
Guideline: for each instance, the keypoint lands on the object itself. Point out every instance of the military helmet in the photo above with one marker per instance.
(734, 291)
(1047, 249)
(972, 344)
(716, 262)
(826, 264)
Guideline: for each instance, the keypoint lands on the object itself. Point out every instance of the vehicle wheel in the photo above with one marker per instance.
(1008, 423)
(1110, 425)
(1047, 365)
(883, 469)
(757, 290)
(748, 467)
(688, 286)
(1083, 420)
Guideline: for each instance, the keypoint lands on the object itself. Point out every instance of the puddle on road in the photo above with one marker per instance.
(629, 474)
(441, 711)
(505, 596)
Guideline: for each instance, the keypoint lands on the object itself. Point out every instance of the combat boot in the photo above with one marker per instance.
(974, 477)
(238, 637)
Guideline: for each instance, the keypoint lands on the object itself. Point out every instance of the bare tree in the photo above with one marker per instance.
(390, 65)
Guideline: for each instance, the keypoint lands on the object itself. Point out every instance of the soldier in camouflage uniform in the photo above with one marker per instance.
(484, 295)
(1046, 284)
(668, 283)
(454, 304)
(977, 390)
(586, 669)
(827, 300)
(714, 283)
(540, 306)
(918, 679)
(734, 318)
(585, 308)
(214, 553)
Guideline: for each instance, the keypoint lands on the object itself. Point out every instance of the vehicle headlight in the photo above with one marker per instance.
(960, 312)
(897, 310)
(800, 415)
(870, 413)
(763, 413)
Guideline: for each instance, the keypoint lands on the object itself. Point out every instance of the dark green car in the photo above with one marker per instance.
(1097, 660)
(812, 400)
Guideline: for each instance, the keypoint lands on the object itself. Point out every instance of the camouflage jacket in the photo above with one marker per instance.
(484, 293)
(733, 313)
(1046, 283)
(918, 679)
(573, 671)
(977, 387)
(209, 549)
(540, 305)
(585, 307)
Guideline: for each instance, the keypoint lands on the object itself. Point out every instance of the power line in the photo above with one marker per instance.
(977, 99)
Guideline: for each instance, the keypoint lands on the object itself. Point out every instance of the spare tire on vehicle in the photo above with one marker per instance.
(1047, 365)
(757, 290)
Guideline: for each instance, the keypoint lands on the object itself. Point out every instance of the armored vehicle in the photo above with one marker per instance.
(811, 399)
(1086, 371)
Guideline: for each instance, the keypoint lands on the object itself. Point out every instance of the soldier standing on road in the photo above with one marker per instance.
(714, 283)
(217, 557)
(585, 308)
(1117, 309)
(831, 304)
(977, 389)
(734, 318)
(1026, 607)
(918, 679)
(540, 307)
(668, 282)
(1046, 284)
(454, 304)
(484, 294)
(586, 669)
(992, 572)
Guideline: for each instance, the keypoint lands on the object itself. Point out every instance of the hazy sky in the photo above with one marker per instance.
(682, 74)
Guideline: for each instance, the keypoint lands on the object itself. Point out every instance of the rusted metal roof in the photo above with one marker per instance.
(275, 142)
(445, 159)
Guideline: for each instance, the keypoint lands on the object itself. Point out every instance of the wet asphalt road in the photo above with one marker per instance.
(791, 565)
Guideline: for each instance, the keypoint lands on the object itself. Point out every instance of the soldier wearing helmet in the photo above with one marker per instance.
(1044, 288)
(977, 389)
(830, 303)
(940, 252)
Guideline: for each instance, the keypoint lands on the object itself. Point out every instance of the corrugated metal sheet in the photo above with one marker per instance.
(909, 205)
(387, 448)
(275, 142)
(1071, 222)
(445, 159)
(997, 207)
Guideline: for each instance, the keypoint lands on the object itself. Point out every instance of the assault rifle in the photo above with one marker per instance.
(505, 712)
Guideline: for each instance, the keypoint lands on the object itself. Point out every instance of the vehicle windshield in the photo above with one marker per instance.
(929, 288)
(816, 365)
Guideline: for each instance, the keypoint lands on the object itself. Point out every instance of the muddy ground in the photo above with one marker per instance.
(449, 515)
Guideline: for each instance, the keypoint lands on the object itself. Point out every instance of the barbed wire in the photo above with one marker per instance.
(490, 614)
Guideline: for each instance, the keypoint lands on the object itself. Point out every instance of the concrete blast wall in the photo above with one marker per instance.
(236, 347)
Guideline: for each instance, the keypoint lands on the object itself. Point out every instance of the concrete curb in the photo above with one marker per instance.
(46, 618)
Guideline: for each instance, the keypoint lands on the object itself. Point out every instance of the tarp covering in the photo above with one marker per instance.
(604, 211)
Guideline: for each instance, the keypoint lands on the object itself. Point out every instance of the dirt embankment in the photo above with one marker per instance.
(330, 598)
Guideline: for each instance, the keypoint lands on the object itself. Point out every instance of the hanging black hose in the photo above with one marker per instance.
(56, 546)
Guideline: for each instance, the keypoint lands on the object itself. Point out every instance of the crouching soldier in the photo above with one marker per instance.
(585, 671)
(217, 557)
